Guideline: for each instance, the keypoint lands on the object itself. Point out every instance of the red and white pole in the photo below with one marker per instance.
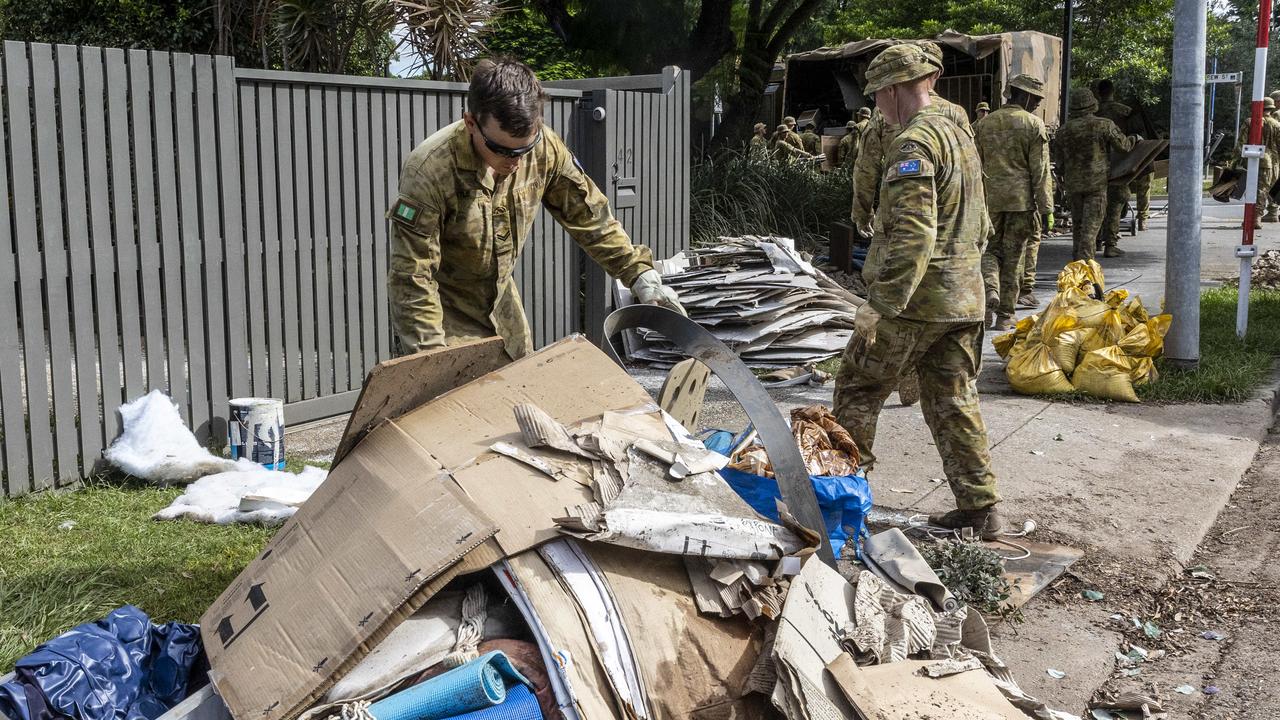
(1253, 150)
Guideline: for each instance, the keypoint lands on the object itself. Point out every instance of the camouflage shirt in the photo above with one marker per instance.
(793, 138)
(1270, 139)
(811, 142)
(927, 265)
(847, 150)
(457, 230)
(1084, 146)
(1014, 146)
(1115, 111)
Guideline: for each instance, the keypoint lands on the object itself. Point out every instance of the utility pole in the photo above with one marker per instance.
(1253, 150)
(1186, 189)
(1068, 19)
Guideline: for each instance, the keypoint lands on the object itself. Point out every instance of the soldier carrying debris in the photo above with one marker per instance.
(924, 292)
(468, 197)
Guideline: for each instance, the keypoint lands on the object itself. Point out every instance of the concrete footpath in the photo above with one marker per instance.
(1135, 486)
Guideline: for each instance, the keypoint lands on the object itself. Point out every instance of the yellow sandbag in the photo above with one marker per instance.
(1050, 330)
(1106, 373)
(1089, 313)
(1004, 344)
(1147, 339)
(1033, 371)
(1111, 329)
(1137, 310)
(1115, 298)
(1066, 350)
(1144, 371)
(1080, 274)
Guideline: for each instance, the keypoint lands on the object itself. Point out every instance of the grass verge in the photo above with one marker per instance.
(72, 557)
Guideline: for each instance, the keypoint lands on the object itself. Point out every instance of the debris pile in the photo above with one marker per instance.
(760, 297)
(1101, 344)
(1266, 272)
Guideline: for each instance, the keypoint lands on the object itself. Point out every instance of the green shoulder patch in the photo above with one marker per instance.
(405, 212)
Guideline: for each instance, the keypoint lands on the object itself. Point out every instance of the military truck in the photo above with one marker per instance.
(976, 69)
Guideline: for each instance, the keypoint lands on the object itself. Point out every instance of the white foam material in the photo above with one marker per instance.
(156, 445)
(216, 498)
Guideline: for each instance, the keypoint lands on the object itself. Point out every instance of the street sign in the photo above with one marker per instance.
(1234, 77)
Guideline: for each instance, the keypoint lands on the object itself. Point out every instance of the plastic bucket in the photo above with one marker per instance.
(256, 431)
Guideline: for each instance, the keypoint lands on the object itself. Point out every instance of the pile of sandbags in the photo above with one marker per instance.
(1103, 344)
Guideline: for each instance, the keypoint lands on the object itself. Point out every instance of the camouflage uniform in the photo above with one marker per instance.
(782, 147)
(791, 136)
(924, 279)
(847, 149)
(1083, 146)
(1118, 195)
(811, 142)
(1268, 163)
(1014, 147)
(457, 230)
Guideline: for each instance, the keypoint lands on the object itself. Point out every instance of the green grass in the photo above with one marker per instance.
(53, 579)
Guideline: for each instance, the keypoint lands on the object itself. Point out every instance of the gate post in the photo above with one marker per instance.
(595, 136)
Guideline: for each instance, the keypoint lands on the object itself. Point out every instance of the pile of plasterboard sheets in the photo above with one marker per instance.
(760, 297)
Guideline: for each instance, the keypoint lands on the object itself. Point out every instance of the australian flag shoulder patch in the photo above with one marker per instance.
(908, 167)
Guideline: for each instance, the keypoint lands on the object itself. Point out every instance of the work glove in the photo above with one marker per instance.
(864, 323)
(1049, 222)
(648, 289)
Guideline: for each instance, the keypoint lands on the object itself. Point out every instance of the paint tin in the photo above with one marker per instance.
(255, 431)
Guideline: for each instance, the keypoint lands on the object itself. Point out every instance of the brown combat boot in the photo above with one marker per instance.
(993, 300)
(1112, 252)
(1142, 223)
(1003, 322)
(909, 389)
(1028, 299)
(1270, 217)
(986, 523)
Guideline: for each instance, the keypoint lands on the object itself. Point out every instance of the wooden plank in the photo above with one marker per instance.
(214, 314)
(80, 278)
(153, 300)
(190, 241)
(254, 301)
(397, 386)
(350, 237)
(336, 277)
(320, 234)
(389, 178)
(104, 256)
(274, 321)
(683, 391)
(163, 254)
(13, 415)
(304, 279)
(283, 129)
(133, 364)
(369, 217)
(231, 195)
(56, 296)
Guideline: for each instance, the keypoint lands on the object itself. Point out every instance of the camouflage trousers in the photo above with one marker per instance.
(1005, 258)
(1029, 261)
(1266, 178)
(1141, 187)
(1117, 201)
(947, 357)
(1087, 209)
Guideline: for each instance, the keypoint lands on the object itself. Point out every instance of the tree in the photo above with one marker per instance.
(446, 36)
(523, 33)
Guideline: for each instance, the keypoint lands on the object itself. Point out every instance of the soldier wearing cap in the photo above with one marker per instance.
(1083, 147)
(782, 147)
(847, 149)
(759, 140)
(1014, 146)
(468, 196)
(793, 137)
(1272, 207)
(924, 306)
(1118, 193)
(981, 112)
(812, 143)
(1270, 160)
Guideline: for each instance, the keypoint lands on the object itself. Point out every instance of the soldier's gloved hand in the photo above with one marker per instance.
(648, 289)
(1049, 222)
(864, 323)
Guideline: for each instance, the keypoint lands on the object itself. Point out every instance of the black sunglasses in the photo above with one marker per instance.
(509, 152)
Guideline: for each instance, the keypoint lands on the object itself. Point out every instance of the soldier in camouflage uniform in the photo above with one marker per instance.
(781, 146)
(468, 196)
(1083, 146)
(759, 140)
(792, 136)
(847, 149)
(1118, 194)
(1270, 160)
(924, 287)
(1272, 207)
(1014, 146)
(979, 113)
(810, 140)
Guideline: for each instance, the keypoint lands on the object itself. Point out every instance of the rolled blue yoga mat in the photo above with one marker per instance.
(480, 684)
(519, 705)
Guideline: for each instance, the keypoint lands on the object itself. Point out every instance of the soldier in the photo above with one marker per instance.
(793, 137)
(468, 196)
(924, 288)
(1083, 146)
(1272, 207)
(980, 112)
(759, 140)
(1118, 194)
(810, 140)
(847, 149)
(1014, 147)
(1270, 159)
(782, 147)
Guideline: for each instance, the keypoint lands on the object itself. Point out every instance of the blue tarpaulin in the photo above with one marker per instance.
(844, 501)
(121, 667)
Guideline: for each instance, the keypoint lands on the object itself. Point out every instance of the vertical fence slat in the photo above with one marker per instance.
(389, 175)
(350, 236)
(321, 239)
(155, 295)
(305, 280)
(230, 194)
(17, 459)
(333, 223)
(105, 279)
(212, 333)
(288, 243)
(177, 266)
(52, 235)
(254, 316)
(368, 218)
(275, 321)
(80, 276)
(123, 228)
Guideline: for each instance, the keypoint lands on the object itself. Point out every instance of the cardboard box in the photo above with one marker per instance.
(409, 507)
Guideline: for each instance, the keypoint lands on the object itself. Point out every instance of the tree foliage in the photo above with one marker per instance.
(523, 33)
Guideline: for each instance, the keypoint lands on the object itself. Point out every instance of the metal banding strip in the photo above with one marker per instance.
(774, 433)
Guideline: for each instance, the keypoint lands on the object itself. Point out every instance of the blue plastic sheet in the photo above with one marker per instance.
(478, 684)
(521, 704)
(121, 667)
(844, 501)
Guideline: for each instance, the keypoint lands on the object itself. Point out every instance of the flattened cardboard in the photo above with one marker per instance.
(896, 690)
(384, 523)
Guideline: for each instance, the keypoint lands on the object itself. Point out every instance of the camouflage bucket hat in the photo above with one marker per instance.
(851, 125)
(1268, 103)
(760, 126)
(1028, 84)
(899, 64)
(983, 106)
(864, 112)
(789, 120)
(932, 51)
(1083, 101)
